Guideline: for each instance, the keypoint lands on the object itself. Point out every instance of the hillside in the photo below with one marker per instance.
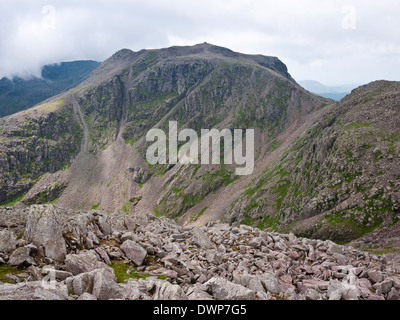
(18, 94)
(322, 169)
(100, 128)
(340, 179)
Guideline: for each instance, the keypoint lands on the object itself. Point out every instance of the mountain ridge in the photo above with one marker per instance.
(86, 148)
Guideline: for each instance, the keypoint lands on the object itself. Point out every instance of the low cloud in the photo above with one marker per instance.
(332, 41)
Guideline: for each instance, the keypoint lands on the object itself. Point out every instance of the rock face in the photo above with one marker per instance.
(43, 229)
(162, 260)
(339, 180)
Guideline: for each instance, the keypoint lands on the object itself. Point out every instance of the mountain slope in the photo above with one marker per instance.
(19, 94)
(109, 114)
(340, 178)
(322, 169)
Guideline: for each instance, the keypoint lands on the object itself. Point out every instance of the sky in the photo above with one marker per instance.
(332, 41)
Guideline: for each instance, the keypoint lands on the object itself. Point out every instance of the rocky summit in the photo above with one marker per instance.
(47, 252)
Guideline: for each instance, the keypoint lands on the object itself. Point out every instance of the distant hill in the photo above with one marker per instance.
(334, 93)
(18, 94)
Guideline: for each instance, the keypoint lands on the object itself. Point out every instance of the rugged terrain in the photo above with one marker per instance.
(339, 180)
(86, 148)
(323, 170)
(47, 252)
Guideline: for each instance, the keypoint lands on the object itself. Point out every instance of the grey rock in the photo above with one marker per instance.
(253, 283)
(43, 229)
(86, 296)
(95, 283)
(384, 287)
(103, 255)
(199, 293)
(311, 294)
(255, 242)
(375, 276)
(59, 275)
(168, 291)
(19, 256)
(347, 291)
(393, 294)
(200, 239)
(33, 291)
(102, 288)
(81, 283)
(128, 236)
(270, 283)
(335, 295)
(104, 226)
(8, 241)
(334, 248)
(85, 262)
(222, 289)
(136, 253)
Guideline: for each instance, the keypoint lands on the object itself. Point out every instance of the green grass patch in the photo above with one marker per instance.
(130, 142)
(252, 205)
(5, 270)
(247, 220)
(95, 206)
(268, 222)
(13, 201)
(356, 125)
(223, 174)
(122, 274)
(357, 228)
(281, 189)
(377, 156)
(273, 146)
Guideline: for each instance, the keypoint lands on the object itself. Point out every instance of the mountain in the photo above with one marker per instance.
(322, 169)
(82, 204)
(339, 180)
(18, 94)
(86, 147)
(334, 93)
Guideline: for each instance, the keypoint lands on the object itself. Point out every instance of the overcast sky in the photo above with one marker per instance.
(332, 41)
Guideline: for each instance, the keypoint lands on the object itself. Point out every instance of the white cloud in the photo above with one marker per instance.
(326, 40)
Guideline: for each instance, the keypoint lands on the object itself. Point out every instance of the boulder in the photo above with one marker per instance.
(222, 289)
(86, 296)
(33, 291)
(270, 283)
(43, 229)
(8, 241)
(95, 283)
(136, 253)
(253, 283)
(19, 256)
(168, 291)
(200, 239)
(87, 261)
